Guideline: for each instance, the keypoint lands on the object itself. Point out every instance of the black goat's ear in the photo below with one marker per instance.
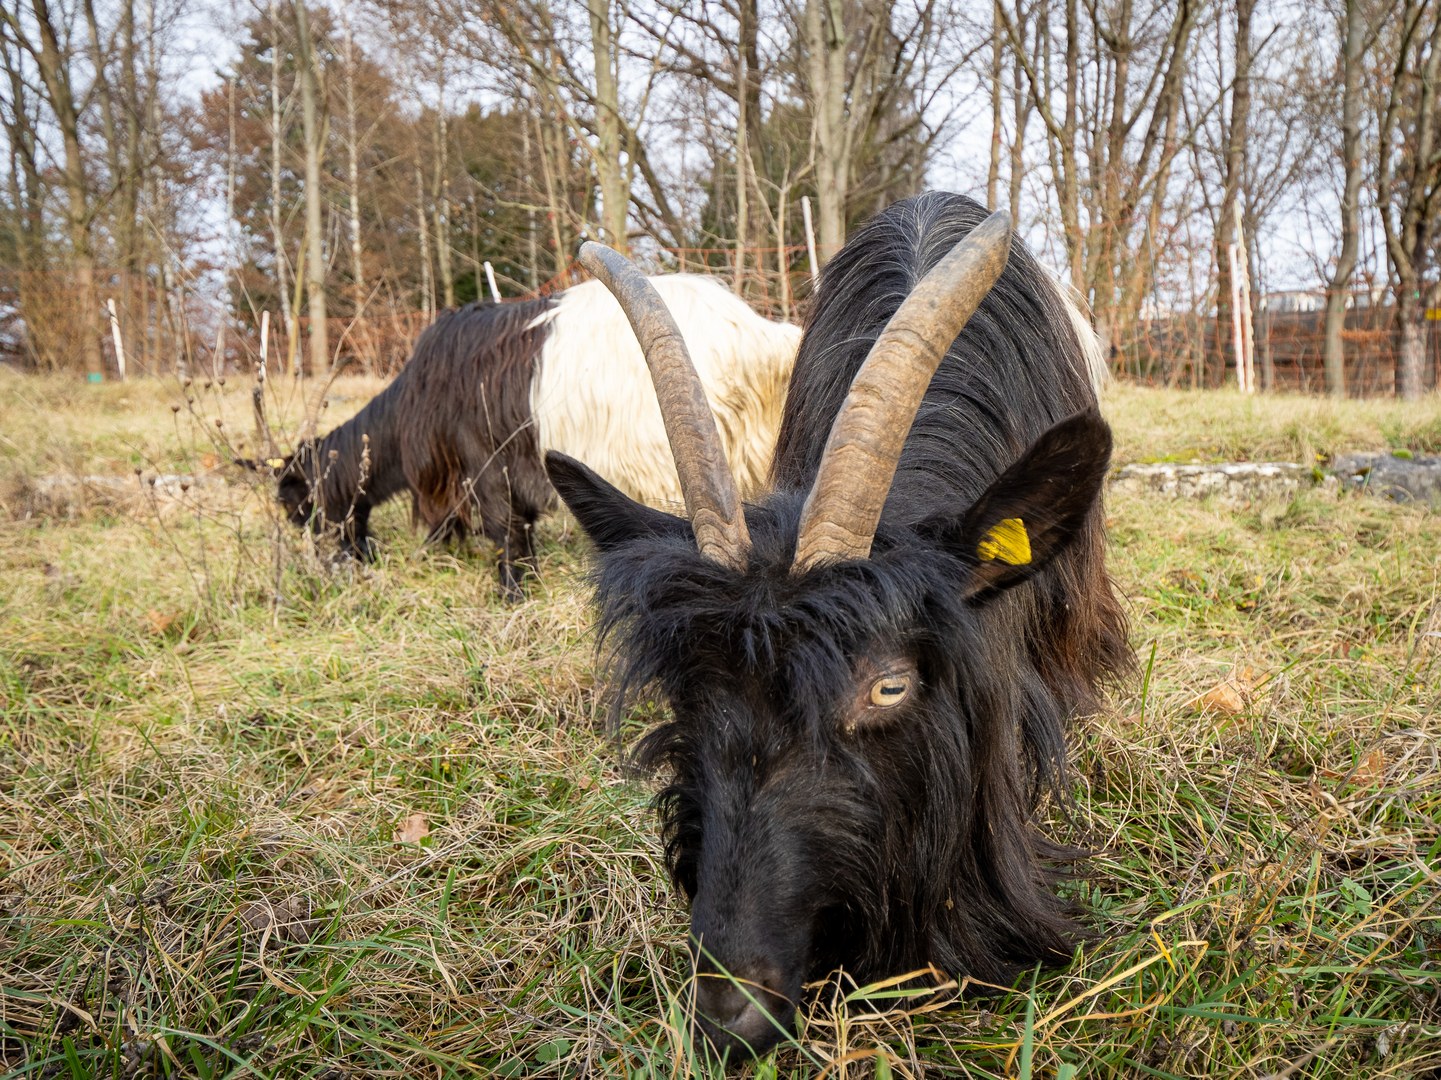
(1032, 510)
(609, 516)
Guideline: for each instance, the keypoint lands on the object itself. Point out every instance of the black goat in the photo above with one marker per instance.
(871, 669)
(454, 428)
(463, 424)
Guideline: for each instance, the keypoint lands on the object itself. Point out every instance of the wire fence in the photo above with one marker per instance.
(1290, 351)
(179, 331)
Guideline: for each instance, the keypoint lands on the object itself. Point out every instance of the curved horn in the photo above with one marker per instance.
(843, 508)
(706, 481)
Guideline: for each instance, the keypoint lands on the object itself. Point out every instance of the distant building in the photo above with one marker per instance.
(1292, 301)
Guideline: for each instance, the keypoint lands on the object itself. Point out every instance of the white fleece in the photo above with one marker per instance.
(592, 395)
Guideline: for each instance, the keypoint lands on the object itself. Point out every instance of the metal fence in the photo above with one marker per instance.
(42, 327)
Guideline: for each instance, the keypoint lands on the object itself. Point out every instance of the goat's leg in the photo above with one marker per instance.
(523, 544)
(517, 561)
(511, 576)
(512, 539)
(445, 522)
(355, 539)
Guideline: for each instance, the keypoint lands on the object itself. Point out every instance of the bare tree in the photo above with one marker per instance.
(1284, 160)
(440, 196)
(427, 288)
(1354, 39)
(1408, 177)
(1108, 90)
(547, 53)
(870, 79)
(309, 77)
(1233, 162)
(826, 44)
(52, 55)
(716, 48)
(614, 194)
(282, 259)
(352, 157)
(25, 188)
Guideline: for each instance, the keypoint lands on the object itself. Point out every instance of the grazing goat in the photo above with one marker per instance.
(870, 670)
(490, 387)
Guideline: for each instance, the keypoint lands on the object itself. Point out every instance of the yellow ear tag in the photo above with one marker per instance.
(275, 462)
(1006, 541)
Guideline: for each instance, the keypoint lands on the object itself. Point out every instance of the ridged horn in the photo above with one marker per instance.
(706, 480)
(843, 508)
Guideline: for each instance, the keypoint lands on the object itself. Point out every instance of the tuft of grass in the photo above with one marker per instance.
(267, 816)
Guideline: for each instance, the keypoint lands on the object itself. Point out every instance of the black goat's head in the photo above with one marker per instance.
(302, 479)
(294, 488)
(858, 729)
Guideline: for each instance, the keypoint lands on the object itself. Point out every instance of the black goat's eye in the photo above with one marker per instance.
(890, 690)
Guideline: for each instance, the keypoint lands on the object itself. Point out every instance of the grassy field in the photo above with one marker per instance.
(261, 817)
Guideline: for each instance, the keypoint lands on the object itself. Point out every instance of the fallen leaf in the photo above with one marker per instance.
(1229, 697)
(1223, 699)
(160, 621)
(1371, 769)
(413, 829)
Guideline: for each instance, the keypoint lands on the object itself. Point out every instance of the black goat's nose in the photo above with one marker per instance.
(739, 1013)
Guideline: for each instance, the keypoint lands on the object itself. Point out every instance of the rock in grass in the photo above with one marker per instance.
(1408, 478)
(1235, 483)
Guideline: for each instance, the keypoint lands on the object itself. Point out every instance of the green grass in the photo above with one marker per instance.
(202, 790)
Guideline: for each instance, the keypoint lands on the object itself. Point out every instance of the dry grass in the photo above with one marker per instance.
(1224, 425)
(262, 817)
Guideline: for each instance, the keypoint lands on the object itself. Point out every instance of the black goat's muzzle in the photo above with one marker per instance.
(744, 1011)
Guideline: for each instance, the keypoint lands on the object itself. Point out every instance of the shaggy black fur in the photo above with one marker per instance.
(454, 428)
(811, 828)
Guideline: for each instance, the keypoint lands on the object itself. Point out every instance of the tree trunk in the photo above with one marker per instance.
(55, 75)
(751, 149)
(743, 210)
(227, 265)
(554, 206)
(1411, 355)
(319, 330)
(277, 233)
(825, 47)
(442, 206)
(614, 200)
(427, 288)
(1070, 169)
(1352, 50)
(128, 197)
(1408, 138)
(26, 196)
(1235, 164)
(352, 162)
(532, 245)
(104, 94)
(993, 167)
(1022, 118)
(170, 328)
(1257, 322)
